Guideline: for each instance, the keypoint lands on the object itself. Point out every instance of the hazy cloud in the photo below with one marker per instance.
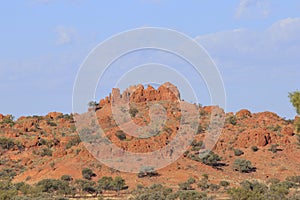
(65, 35)
(253, 8)
(277, 44)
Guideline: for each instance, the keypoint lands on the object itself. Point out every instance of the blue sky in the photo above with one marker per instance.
(255, 44)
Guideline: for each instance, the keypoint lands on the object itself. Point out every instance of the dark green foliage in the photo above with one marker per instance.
(121, 135)
(238, 152)
(51, 123)
(249, 190)
(203, 183)
(86, 186)
(8, 120)
(154, 192)
(133, 111)
(68, 117)
(87, 173)
(211, 159)
(66, 178)
(23, 187)
(243, 166)
(214, 187)
(93, 104)
(295, 100)
(294, 179)
(7, 174)
(6, 143)
(54, 186)
(232, 120)
(42, 142)
(73, 142)
(105, 183)
(274, 128)
(254, 148)
(46, 152)
(196, 146)
(190, 195)
(147, 171)
(224, 183)
(297, 125)
(273, 181)
(118, 184)
(187, 185)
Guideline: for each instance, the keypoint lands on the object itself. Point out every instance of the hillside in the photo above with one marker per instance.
(34, 148)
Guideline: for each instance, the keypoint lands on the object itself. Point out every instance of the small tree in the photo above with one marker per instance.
(88, 173)
(211, 159)
(66, 178)
(295, 100)
(238, 152)
(92, 104)
(243, 166)
(118, 184)
(105, 183)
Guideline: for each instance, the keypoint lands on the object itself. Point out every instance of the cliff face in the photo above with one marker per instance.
(138, 94)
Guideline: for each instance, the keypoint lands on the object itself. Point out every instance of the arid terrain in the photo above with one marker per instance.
(260, 147)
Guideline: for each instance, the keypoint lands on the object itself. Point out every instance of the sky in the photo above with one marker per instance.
(254, 43)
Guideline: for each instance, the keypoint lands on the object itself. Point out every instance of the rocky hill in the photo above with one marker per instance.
(39, 147)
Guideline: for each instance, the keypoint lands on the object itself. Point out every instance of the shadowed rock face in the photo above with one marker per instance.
(138, 94)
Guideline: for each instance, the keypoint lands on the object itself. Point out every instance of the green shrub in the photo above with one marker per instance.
(118, 184)
(46, 152)
(224, 183)
(254, 148)
(249, 190)
(196, 146)
(73, 142)
(51, 123)
(105, 183)
(211, 159)
(243, 166)
(187, 185)
(86, 186)
(6, 143)
(190, 195)
(54, 186)
(121, 135)
(297, 125)
(87, 173)
(232, 120)
(8, 120)
(273, 181)
(238, 152)
(133, 111)
(294, 179)
(66, 178)
(147, 171)
(7, 174)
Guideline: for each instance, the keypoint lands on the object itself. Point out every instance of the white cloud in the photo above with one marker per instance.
(259, 68)
(277, 44)
(65, 35)
(253, 8)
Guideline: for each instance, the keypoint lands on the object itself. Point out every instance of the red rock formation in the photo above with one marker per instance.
(138, 94)
(243, 113)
